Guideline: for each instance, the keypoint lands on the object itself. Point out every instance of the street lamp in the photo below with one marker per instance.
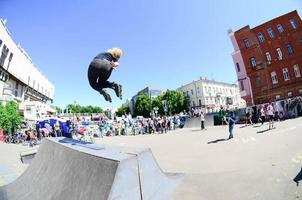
(155, 110)
(164, 102)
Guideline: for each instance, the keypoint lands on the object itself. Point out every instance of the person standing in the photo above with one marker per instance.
(248, 116)
(202, 119)
(231, 123)
(270, 112)
(262, 115)
(57, 129)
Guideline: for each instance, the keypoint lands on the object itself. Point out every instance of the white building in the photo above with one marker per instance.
(20, 80)
(210, 95)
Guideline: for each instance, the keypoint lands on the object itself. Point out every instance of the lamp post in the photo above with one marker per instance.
(164, 102)
(155, 111)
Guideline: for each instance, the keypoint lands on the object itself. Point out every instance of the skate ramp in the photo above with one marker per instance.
(194, 122)
(65, 169)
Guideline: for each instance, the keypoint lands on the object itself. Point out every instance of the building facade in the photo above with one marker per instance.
(210, 95)
(150, 91)
(21, 81)
(268, 59)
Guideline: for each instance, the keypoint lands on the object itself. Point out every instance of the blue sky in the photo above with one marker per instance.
(166, 43)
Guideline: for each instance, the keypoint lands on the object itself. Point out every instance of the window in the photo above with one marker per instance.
(10, 59)
(297, 70)
(268, 57)
(290, 49)
(271, 32)
(274, 77)
(187, 93)
(279, 53)
(285, 74)
(238, 67)
(300, 91)
(301, 41)
(253, 61)
(293, 23)
(261, 37)
(241, 85)
(246, 43)
(199, 102)
(258, 82)
(16, 90)
(192, 92)
(3, 55)
(198, 90)
(289, 94)
(280, 28)
(278, 97)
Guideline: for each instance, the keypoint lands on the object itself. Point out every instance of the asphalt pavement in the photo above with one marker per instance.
(256, 164)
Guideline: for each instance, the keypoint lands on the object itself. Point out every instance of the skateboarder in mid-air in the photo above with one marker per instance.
(100, 70)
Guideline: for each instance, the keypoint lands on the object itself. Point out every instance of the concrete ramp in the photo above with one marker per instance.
(65, 169)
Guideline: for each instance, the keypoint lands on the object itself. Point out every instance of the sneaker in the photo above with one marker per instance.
(106, 95)
(118, 90)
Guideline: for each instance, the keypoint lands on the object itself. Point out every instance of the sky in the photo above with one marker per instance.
(166, 43)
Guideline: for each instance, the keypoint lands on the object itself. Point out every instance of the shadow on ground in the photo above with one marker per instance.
(265, 130)
(218, 140)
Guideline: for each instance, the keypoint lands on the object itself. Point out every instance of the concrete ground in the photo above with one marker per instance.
(257, 164)
(10, 164)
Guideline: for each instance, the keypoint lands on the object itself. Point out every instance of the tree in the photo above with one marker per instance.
(175, 101)
(97, 109)
(143, 105)
(2, 115)
(74, 108)
(124, 109)
(58, 109)
(86, 109)
(10, 118)
(157, 102)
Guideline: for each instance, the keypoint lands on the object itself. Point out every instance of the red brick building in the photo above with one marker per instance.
(270, 59)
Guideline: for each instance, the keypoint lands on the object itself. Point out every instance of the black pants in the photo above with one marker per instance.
(202, 125)
(98, 73)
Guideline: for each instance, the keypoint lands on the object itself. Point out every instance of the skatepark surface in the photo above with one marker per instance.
(258, 164)
(67, 169)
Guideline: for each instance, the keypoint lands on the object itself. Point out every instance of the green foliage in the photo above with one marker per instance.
(97, 109)
(124, 109)
(157, 102)
(143, 105)
(175, 101)
(10, 118)
(58, 109)
(76, 108)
